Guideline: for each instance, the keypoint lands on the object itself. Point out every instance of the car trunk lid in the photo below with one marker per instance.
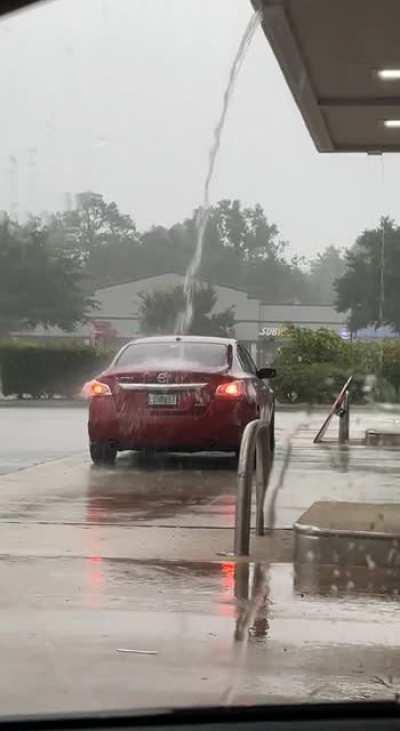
(169, 392)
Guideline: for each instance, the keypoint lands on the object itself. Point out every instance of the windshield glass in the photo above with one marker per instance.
(178, 354)
(177, 176)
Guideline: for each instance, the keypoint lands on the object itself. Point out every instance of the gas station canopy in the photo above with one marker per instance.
(341, 60)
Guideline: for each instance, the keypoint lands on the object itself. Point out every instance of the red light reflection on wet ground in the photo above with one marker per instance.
(226, 596)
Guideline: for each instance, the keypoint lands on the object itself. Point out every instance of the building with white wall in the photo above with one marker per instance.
(118, 313)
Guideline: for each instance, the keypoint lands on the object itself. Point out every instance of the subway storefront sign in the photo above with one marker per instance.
(273, 331)
(270, 338)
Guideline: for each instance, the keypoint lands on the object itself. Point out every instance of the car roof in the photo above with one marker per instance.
(184, 339)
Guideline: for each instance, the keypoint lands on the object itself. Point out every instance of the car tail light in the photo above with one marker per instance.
(96, 388)
(231, 390)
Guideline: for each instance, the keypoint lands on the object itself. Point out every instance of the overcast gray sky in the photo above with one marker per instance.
(121, 97)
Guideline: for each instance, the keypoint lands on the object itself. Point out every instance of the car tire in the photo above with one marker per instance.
(102, 453)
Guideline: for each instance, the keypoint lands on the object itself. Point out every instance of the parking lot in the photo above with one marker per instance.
(95, 561)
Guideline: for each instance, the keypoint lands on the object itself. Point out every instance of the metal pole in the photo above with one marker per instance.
(263, 468)
(344, 420)
(255, 445)
(241, 544)
(260, 481)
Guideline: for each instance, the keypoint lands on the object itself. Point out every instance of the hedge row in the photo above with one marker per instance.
(312, 366)
(48, 370)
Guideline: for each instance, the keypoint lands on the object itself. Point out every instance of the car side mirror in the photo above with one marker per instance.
(266, 373)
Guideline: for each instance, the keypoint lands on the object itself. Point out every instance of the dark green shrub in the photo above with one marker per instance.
(364, 356)
(304, 346)
(390, 363)
(313, 365)
(310, 383)
(46, 370)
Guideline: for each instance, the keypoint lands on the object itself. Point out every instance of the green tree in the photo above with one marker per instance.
(243, 249)
(159, 312)
(99, 236)
(38, 285)
(325, 269)
(91, 226)
(246, 230)
(359, 290)
(165, 250)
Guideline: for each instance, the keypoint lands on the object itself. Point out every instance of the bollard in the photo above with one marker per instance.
(344, 420)
(255, 445)
(263, 469)
(243, 499)
(337, 405)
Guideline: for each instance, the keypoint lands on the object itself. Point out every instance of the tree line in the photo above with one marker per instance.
(51, 265)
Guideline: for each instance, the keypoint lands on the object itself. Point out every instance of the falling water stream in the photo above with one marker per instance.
(185, 319)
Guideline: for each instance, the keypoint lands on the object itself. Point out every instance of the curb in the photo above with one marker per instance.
(42, 403)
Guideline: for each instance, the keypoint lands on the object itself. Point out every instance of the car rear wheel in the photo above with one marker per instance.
(102, 453)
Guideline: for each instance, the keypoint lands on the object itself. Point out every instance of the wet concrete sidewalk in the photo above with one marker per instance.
(95, 561)
(65, 621)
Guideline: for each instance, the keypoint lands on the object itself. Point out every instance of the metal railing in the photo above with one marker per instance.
(341, 408)
(344, 419)
(255, 450)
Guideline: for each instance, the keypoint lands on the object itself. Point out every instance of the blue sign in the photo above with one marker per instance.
(376, 333)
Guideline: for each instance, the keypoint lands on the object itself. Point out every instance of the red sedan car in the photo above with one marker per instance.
(177, 393)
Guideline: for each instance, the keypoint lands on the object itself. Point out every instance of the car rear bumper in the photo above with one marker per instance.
(220, 428)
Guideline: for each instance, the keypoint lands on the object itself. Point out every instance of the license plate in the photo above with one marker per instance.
(162, 399)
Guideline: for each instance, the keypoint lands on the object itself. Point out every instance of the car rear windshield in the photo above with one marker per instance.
(206, 355)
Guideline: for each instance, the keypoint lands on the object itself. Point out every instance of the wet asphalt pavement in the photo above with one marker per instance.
(34, 434)
(93, 562)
